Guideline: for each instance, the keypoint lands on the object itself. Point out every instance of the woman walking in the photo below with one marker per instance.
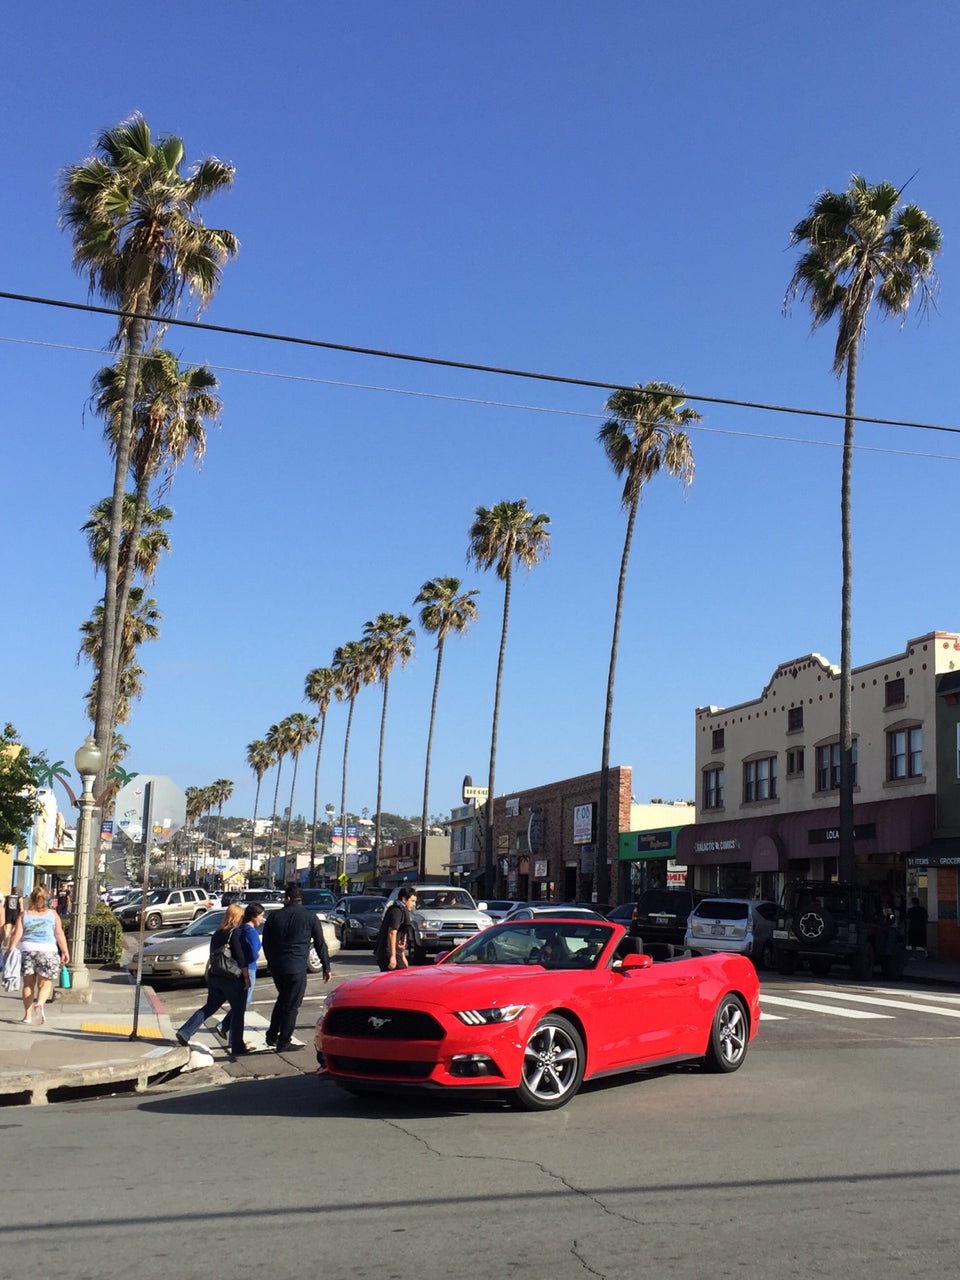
(227, 978)
(39, 935)
(252, 916)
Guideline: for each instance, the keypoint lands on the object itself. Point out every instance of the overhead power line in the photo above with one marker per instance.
(441, 362)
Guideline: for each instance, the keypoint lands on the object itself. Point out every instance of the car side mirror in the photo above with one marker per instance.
(481, 906)
(636, 962)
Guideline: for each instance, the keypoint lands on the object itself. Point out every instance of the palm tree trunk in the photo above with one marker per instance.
(602, 867)
(846, 862)
(426, 769)
(316, 803)
(383, 730)
(276, 800)
(343, 795)
(488, 864)
(253, 833)
(293, 787)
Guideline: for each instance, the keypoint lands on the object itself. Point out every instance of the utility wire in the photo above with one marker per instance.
(440, 362)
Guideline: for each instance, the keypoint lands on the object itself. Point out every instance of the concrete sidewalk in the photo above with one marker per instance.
(89, 1049)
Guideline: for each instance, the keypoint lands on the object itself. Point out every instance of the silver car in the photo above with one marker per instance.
(738, 926)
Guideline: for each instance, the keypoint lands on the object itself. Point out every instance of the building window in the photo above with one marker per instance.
(794, 718)
(760, 779)
(893, 693)
(713, 788)
(795, 762)
(828, 766)
(905, 753)
(718, 739)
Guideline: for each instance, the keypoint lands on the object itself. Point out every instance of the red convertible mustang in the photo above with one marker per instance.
(533, 1008)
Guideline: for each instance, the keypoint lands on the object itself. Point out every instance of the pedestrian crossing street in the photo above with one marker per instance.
(855, 1004)
(254, 1034)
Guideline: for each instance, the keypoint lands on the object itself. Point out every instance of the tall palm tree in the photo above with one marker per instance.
(260, 760)
(277, 741)
(860, 245)
(446, 611)
(499, 536)
(301, 731)
(222, 791)
(140, 625)
(353, 670)
(642, 436)
(389, 638)
(194, 798)
(139, 238)
(318, 688)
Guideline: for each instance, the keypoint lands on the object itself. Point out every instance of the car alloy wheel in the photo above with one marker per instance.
(553, 1064)
(729, 1036)
(153, 921)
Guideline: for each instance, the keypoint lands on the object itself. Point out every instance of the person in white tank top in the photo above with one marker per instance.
(43, 945)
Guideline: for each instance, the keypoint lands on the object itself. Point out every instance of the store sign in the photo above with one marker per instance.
(540, 869)
(654, 841)
(582, 823)
(828, 835)
(535, 830)
(715, 846)
(512, 809)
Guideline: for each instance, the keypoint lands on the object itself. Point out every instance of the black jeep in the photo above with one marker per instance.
(660, 919)
(823, 922)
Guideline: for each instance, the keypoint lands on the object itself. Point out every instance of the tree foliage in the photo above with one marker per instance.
(18, 786)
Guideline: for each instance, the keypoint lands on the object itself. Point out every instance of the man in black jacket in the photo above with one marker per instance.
(287, 935)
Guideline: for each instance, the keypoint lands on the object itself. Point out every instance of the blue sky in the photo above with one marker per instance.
(600, 191)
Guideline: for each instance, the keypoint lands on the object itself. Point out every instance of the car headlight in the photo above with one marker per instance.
(498, 1016)
(431, 924)
(354, 924)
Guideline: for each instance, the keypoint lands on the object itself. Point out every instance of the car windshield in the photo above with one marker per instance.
(444, 900)
(317, 898)
(500, 905)
(206, 924)
(536, 942)
(719, 909)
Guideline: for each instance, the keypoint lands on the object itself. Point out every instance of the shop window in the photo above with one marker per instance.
(828, 766)
(713, 788)
(905, 753)
(893, 693)
(760, 779)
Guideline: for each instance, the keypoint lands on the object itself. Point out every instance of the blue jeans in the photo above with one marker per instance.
(225, 991)
(226, 1023)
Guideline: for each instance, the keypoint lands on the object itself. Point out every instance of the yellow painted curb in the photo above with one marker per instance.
(110, 1029)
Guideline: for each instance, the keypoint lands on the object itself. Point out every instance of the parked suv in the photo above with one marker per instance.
(164, 906)
(824, 922)
(735, 926)
(660, 919)
(443, 918)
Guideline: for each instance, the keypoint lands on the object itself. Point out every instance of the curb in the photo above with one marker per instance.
(38, 1088)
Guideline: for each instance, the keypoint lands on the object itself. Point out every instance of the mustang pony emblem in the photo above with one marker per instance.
(377, 1023)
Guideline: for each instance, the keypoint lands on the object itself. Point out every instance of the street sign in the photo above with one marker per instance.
(475, 793)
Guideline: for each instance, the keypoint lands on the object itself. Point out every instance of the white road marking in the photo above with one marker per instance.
(912, 991)
(819, 1008)
(891, 1004)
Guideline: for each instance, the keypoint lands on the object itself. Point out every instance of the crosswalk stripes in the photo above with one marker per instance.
(881, 1003)
(255, 1027)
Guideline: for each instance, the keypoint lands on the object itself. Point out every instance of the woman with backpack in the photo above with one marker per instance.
(227, 980)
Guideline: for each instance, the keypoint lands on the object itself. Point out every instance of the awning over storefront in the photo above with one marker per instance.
(944, 851)
(401, 877)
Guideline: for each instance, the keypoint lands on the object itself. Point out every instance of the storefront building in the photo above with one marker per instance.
(648, 858)
(768, 781)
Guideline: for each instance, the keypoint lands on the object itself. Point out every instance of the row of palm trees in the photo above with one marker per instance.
(203, 800)
(138, 237)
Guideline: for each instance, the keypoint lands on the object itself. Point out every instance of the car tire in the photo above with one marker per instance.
(765, 958)
(554, 1059)
(816, 936)
(198, 914)
(729, 1036)
(313, 961)
(893, 965)
(153, 921)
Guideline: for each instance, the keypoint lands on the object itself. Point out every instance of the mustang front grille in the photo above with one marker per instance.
(382, 1024)
(378, 1067)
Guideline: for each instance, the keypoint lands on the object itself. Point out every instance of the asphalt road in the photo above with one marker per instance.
(832, 1153)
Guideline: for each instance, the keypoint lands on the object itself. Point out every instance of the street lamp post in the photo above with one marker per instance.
(88, 760)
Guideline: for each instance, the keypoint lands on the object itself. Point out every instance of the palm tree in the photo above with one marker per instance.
(222, 791)
(260, 760)
(353, 670)
(151, 540)
(194, 798)
(277, 744)
(498, 536)
(318, 688)
(388, 637)
(301, 731)
(446, 611)
(642, 436)
(140, 625)
(138, 237)
(858, 246)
